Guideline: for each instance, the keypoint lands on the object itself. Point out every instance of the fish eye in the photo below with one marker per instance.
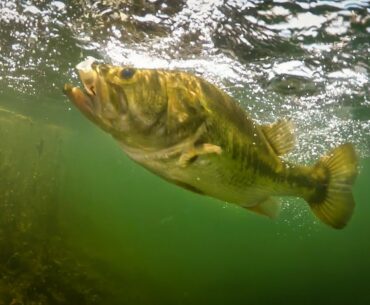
(127, 73)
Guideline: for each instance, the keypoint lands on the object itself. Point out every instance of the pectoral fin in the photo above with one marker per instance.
(192, 153)
(280, 135)
(269, 207)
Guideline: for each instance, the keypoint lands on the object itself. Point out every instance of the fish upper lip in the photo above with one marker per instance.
(85, 97)
(88, 79)
(87, 65)
(89, 71)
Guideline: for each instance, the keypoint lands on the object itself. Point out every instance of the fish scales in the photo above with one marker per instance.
(189, 132)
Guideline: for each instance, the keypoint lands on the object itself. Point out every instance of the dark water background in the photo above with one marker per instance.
(81, 224)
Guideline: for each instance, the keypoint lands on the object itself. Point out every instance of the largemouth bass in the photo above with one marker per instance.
(189, 132)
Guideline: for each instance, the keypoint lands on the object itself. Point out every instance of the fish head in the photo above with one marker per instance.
(128, 103)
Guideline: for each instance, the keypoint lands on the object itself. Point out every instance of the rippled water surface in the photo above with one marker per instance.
(81, 224)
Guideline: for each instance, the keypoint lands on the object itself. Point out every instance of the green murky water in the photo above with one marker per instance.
(82, 224)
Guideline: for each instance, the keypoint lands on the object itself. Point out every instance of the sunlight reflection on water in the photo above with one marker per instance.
(321, 81)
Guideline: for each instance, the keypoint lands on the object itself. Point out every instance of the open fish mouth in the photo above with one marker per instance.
(85, 99)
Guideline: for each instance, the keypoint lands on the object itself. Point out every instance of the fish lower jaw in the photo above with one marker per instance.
(81, 100)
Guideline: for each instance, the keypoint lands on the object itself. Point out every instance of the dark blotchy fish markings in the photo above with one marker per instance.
(189, 132)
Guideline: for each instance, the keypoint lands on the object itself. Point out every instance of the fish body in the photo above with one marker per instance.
(189, 132)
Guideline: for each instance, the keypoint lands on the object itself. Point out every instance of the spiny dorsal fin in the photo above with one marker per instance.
(280, 135)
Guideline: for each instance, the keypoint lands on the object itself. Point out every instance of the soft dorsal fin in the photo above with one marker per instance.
(280, 135)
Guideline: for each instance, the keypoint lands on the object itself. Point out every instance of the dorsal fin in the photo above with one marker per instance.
(280, 135)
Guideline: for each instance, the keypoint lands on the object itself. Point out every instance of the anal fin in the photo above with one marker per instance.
(269, 207)
(280, 135)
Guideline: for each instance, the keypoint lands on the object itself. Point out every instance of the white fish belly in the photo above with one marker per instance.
(210, 176)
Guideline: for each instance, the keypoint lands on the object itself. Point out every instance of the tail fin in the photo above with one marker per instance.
(338, 170)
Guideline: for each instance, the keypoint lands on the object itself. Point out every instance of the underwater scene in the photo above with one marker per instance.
(82, 223)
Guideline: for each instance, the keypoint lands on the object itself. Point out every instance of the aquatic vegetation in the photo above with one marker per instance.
(35, 265)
